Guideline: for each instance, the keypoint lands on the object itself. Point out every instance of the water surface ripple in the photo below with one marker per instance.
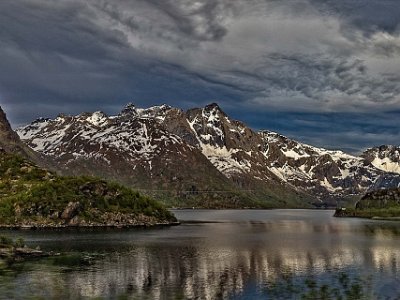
(214, 254)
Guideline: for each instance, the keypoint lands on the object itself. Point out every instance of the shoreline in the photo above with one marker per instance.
(342, 213)
(250, 208)
(374, 218)
(87, 226)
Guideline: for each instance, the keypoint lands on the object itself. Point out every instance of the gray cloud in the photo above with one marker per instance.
(368, 16)
(307, 55)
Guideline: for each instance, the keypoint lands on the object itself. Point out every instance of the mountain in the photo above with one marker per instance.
(327, 174)
(158, 151)
(205, 158)
(385, 158)
(10, 141)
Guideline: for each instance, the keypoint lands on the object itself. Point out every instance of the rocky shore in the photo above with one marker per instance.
(23, 252)
(11, 251)
(33, 225)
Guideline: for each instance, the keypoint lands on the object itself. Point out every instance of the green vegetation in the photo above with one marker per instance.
(228, 198)
(381, 204)
(34, 196)
(370, 213)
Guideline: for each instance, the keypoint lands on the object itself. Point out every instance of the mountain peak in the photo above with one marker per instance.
(129, 109)
(8, 137)
(212, 106)
(213, 110)
(97, 118)
(41, 120)
(4, 124)
(10, 141)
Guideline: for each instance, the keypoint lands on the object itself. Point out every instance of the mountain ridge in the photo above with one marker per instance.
(163, 142)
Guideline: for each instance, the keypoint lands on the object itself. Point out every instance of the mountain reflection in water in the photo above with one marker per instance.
(232, 254)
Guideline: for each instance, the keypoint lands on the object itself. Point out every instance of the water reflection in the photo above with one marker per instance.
(235, 258)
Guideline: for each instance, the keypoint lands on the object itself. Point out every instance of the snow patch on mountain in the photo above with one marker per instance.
(96, 135)
(98, 118)
(224, 160)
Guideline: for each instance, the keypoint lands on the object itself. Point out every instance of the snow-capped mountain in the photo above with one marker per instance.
(385, 158)
(324, 173)
(203, 149)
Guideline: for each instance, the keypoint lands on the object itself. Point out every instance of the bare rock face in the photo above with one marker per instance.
(202, 149)
(11, 143)
(71, 211)
(9, 140)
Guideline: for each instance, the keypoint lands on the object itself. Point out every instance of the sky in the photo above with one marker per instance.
(325, 72)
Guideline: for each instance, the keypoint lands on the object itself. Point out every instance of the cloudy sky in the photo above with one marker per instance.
(326, 72)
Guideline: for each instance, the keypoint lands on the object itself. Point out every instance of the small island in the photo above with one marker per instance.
(16, 250)
(33, 197)
(381, 204)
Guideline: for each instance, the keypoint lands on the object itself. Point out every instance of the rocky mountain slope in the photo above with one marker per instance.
(10, 142)
(324, 173)
(204, 153)
(155, 150)
(385, 158)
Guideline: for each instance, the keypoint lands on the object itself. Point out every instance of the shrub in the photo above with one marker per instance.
(5, 240)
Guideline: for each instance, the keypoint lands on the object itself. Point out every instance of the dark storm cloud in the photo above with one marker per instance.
(338, 83)
(199, 21)
(310, 56)
(331, 130)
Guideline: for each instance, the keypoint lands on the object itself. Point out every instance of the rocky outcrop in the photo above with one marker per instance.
(11, 143)
(72, 210)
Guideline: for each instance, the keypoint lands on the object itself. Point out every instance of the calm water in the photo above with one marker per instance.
(224, 254)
